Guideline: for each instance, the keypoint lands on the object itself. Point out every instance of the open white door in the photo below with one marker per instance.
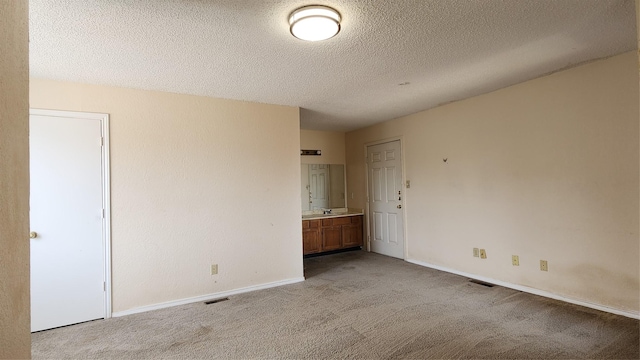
(385, 193)
(67, 214)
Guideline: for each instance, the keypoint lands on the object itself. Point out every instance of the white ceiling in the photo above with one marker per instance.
(242, 49)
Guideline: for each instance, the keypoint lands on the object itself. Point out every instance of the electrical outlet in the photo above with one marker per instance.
(543, 265)
(483, 254)
(515, 260)
(476, 252)
(214, 269)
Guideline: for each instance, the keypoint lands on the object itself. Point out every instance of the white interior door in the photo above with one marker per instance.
(319, 183)
(66, 212)
(385, 193)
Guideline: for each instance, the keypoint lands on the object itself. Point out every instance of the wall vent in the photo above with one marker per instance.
(481, 283)
(215, 301)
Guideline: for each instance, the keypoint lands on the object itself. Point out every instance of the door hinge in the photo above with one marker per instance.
(101, 141)
(103, 213)
(104, 286)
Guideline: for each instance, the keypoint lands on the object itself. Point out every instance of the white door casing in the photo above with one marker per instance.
(305, 188)
(69, 213)
(385, 191)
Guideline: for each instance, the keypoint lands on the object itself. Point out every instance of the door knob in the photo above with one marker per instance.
(399, 206)
(33, 235)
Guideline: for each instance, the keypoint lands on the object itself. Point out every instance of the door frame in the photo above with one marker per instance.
(106, 190)
(400, 139)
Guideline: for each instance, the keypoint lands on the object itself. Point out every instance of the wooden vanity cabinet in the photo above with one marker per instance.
(331, 234)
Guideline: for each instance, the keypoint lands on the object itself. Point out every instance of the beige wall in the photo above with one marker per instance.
(15, 325)
(547, 169)
(331, 143)
(195, 181)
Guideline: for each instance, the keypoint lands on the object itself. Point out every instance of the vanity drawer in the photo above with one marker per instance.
(356, 219)
(342, 220)
(336, 221)
(310, 224)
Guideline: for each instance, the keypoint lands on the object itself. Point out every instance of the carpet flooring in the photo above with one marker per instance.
(356, 305)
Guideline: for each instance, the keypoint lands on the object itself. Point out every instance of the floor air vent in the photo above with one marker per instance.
(481, 283)
(215, 301)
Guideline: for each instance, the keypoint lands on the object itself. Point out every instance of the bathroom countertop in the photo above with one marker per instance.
(334, 215)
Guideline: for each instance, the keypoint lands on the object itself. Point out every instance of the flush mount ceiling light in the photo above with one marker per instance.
(314, 23)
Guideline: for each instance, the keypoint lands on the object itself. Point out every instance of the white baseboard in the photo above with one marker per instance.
(527, 289)
(207, 297)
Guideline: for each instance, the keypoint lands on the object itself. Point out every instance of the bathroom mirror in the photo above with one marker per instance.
(323, 186)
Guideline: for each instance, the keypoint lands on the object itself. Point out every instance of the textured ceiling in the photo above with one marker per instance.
(242, 49)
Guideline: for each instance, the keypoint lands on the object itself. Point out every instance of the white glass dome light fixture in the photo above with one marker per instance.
(314, 23)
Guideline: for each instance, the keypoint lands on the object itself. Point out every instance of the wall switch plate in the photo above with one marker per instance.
(483, 254)
(515, 260)
(408, 184)
(476, 252)
(214, 269)
(543, 265)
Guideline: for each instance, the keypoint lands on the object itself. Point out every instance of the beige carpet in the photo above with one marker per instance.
(357, 305)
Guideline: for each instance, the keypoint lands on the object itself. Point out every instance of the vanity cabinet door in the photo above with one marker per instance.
(311, 242)
(352, 233)
(331, 238)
